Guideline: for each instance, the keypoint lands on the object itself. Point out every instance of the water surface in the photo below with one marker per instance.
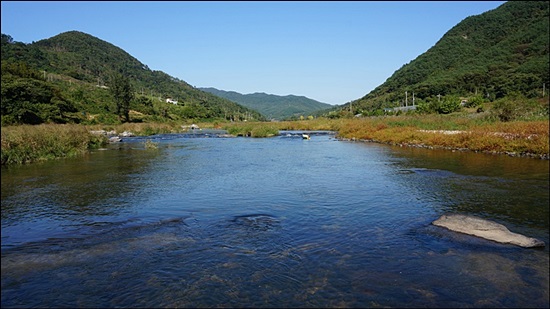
(274, 222)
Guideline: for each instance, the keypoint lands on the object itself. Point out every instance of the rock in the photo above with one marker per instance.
(98, 132)
(191, 127)
(486, 229)
(127, 134)
(114, 139)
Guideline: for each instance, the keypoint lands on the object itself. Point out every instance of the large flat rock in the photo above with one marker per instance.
(486, 229)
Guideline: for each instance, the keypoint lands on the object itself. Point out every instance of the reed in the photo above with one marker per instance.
(252, 129)
(27, 143)
(150, 145)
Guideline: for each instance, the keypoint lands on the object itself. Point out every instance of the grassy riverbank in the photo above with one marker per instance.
(516, 138)
(519, 138)
(28, 143)
(24, 144)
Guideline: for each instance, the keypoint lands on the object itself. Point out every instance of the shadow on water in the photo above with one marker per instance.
(514, 191)
(71, 192)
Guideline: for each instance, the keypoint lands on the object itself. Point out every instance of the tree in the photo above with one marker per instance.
(123, 94)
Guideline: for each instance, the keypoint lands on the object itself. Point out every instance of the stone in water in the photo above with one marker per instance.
(486, 229)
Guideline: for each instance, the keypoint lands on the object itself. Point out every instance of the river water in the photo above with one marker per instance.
(273, 222)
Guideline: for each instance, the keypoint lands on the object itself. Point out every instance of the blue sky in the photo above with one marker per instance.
(332, 52)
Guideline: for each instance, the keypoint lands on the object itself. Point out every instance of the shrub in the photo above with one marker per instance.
(449, 105)
(474, 101)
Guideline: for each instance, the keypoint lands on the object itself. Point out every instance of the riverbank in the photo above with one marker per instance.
(34, 143)
(530, 145)
(522, 138)
(451, 132)
(544, 156)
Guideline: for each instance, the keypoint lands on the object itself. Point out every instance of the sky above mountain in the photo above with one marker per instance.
(332, 52)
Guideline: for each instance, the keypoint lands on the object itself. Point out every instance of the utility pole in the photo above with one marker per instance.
(413, 98)
(406, 103)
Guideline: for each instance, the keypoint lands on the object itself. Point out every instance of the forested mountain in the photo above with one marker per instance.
(66, 78)
(273, 106)
(489, 56)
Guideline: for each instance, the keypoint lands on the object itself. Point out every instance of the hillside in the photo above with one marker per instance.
(489, 56)
(273, 106)
(66, 78)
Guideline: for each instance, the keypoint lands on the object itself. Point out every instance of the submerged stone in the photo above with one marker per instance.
(486, 229)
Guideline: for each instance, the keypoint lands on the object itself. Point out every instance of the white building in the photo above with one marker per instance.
(169, 100)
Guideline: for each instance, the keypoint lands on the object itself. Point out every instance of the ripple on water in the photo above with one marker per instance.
(256, 222)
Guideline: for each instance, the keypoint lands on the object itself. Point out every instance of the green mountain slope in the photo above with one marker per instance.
(273, 106)
(76, 68)
(499, 53)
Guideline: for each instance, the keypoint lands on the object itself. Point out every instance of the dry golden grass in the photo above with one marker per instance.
(520, 137)
(143, 129)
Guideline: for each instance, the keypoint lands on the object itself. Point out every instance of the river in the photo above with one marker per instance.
(204, 221)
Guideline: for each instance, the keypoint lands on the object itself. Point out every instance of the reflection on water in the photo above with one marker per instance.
(239, 222)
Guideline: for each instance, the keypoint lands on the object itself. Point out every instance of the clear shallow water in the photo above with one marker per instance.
(276, 222)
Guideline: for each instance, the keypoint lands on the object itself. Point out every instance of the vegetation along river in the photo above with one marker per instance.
(272, 222)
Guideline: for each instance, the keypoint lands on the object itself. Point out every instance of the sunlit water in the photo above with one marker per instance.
(272, 222)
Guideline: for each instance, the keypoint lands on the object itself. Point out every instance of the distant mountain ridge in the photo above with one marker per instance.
(273, 106)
